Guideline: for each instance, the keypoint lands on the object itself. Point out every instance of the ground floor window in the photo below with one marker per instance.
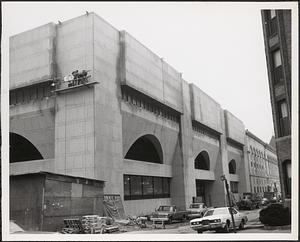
(145, 187)
(234, 187)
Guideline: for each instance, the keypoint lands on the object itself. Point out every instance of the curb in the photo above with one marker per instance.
(284, 227)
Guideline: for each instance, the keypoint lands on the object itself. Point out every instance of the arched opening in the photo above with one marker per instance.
(202, 161)
(146, 148)
(286, 165)
(21, 149)
(232, 167)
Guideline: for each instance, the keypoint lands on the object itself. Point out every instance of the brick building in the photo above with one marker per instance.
(277, 37)
(131, 121)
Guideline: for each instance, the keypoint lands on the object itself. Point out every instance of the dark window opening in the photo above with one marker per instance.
(232, 167)
(29, 93)
(287, 176)
(277, 66)
(272, 22)
(284, 125)
(146, 148)
(145, 187)
(141, 100)
(202, 161)
(20, 149)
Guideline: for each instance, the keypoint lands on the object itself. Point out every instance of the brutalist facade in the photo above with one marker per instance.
(134, 122)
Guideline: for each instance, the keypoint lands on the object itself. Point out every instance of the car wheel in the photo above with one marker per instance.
(199, 231)
(226, 228)
(242, 225)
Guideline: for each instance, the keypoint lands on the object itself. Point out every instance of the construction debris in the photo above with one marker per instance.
(89, 224)
(94, 224)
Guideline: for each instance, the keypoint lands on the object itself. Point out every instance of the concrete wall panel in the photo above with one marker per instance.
(235, 128)
(74, 133)
(74, 45)
(32, 56)
(172, 87)
(108, 121)
(147, 73)
(205, 109)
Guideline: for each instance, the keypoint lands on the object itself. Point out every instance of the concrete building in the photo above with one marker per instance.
(263, 166)
(133, 123)
(277, 36)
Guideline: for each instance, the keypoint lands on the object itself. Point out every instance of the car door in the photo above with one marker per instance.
(237, 217)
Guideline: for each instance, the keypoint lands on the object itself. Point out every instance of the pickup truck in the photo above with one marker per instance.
(196, 210)
(169, 213)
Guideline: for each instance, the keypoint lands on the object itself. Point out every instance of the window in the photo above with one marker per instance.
(135, 186)
(166, 187)
(277, 66)
(20, 96)
(234, 187)
(21, 149)
(146, 148)
(276, 58)
(284, 126)
(272, 13)
(287, 177)
(272, 23)
(145, 187)
(158, 185)
(126, 186)
(202, 161)
(232, 167)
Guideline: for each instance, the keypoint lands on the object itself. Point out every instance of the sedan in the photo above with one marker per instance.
(219, 219)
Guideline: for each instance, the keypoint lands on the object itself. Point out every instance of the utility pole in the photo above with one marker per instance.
(223, 178)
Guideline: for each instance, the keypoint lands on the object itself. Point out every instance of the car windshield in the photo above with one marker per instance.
(216, 211)
(164, 208)
(196, 205)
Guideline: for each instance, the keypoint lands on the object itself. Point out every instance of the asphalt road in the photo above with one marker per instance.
(253, 226)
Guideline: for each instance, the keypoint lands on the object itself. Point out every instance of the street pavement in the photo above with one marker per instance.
(253, 226)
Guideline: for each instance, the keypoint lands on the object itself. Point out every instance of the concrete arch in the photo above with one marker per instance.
(202, 161)
(21, 149)
(146, 148)
(232, 167)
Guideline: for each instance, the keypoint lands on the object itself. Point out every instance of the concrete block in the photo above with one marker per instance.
(205, 109)
(31, 55)
(235, 128)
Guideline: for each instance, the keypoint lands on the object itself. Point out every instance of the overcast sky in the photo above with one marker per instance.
(217, 46)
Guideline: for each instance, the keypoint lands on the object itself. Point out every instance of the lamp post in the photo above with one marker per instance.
(223, 178)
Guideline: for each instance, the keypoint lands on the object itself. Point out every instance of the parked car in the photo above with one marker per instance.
(196, 210)
(249, 201)
(170, 213)
(15, 228)
(219, 219)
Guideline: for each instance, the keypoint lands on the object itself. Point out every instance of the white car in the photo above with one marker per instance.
(219, 219)
(196, 210)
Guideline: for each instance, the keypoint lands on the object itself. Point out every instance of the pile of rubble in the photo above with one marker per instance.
(94, 224)
(89, 224)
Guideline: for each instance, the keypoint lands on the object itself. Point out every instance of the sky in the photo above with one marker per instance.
(217, 46)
